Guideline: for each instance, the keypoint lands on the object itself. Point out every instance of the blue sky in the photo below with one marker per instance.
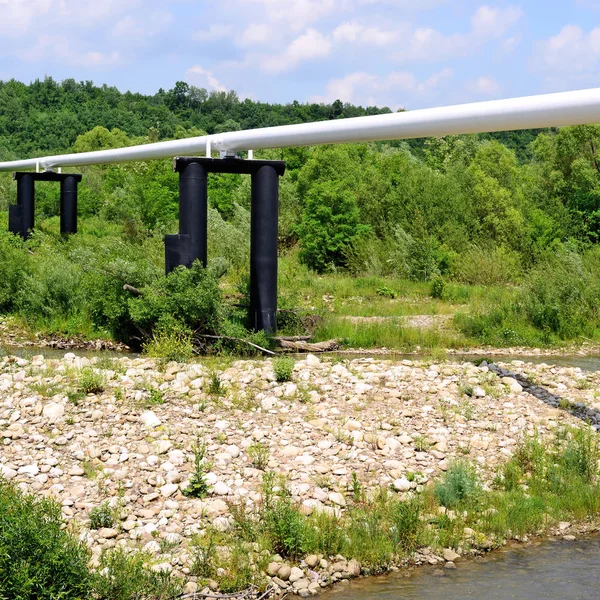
(400, 53)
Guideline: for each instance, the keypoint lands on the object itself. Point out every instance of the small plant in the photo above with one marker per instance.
(422, 444)
(215, 387)
(155, 397)
(102, 516)
(466, 389)
(198, 488)
(259, 455)
(75, 397)
(283, 368)
(386, 292)
(90, 381)
(118, 393)
(357, 489)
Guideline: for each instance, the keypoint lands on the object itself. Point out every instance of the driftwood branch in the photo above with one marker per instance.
(235, 339)
(133, 291)
(300, 346)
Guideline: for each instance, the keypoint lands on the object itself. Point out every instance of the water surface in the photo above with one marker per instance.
(557, 570)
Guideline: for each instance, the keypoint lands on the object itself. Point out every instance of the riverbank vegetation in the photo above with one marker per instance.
(493, 237)
(541, 485)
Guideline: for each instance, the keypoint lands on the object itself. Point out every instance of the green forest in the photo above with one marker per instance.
(497, 232)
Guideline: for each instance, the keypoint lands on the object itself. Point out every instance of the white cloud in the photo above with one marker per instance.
(408, 4)
(391, 90)
(593, 4)
(428, 44)
(297, 14)
(256, 34)
(201, 77)
(308, 46)
(19, 15)
(134, 30)
(484, 86)
(214, 33)
(509, 44)
(572, 50)
(354, 32)
(57, 47)
(493, 22)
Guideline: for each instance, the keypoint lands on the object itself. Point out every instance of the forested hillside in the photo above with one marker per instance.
(520, 209)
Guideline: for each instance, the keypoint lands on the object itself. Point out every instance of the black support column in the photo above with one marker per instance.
(193, 209)
(21, 216)
(191, 242)
(68, 205)
(263, 249)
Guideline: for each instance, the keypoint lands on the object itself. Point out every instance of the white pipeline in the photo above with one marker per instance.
(532, 112)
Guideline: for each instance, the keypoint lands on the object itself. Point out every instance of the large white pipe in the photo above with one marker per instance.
(550, 110)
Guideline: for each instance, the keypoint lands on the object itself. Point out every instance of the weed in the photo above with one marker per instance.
(215, 387)
(422, 444)
(102, 516)
(155, 398)
(357, 489)
(198, 488)
(259, 455)
(90, 381)
(283, 368)
(459, 485)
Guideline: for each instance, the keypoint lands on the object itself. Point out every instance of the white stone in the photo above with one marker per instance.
(53, 412)
(168, 490)
(149, 419)
(402, 485)
(233, 451)
(337, 498)
(312, 361)
(221, 489)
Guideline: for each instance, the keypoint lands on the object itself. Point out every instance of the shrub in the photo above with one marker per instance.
(90, 381)
(170, 344)
(124, 576)
(286, 528)
(38, 559)
(437, 287)
(406, 525)
(283, 368)
(102, 516)
(187, 298)
(459, 486)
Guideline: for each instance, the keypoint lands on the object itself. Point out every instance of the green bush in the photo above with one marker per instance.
(459, 485)
(188, 298)
(39, 560)
(286, 528)
(123, 576)
(102, 516)
(90, 381)
(259, 455)
(283, 368)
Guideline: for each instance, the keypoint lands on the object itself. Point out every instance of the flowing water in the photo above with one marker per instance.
(557, 570)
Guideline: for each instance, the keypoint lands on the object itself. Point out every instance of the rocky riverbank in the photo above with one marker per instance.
(130, 441)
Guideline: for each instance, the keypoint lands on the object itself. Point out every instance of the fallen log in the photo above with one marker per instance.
(301, 346)
(235, 339)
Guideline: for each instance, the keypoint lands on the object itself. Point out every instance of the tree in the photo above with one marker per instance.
(330, 224)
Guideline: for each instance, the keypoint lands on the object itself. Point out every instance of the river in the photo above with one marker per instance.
(550, 570)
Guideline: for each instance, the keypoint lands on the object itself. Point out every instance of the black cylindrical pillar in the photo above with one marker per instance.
(193, 209)
(68, 205)
(263, 249)
(26, 200)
